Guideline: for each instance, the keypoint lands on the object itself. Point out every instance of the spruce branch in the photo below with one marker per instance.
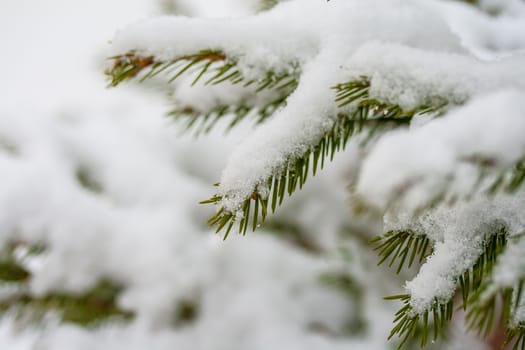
(202, 122)
(347, 93)
(484, 306)
(486, 299)
(211, 66)
(491, 181)
(358, 112)
(474, 283)
(128, 66)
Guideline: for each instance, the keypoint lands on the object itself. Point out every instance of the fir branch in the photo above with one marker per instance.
(347, 93)
(128, 66)
(484, 306)
(203, 122)
(481, 308)
(404, 246)
(360, 112)
(509, 181)
(211, 66)
(485, 298)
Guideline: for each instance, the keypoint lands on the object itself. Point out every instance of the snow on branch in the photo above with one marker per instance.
(441, 157)
(357, 111)
(319, 42)
(473, 252)
(201, 106)
(412, 77)
(294, 31)
(331, 69)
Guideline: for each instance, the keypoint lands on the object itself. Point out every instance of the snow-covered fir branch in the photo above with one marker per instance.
(409, 113)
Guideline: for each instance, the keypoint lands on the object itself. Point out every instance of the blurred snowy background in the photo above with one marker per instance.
(99, 193)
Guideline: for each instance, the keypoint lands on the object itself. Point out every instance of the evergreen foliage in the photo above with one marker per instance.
(401, 245)
(419, 104)
(473, 284)
(358, 111)
(209, 67)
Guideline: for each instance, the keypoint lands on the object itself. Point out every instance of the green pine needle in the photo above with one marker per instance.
(471, 281)
(409, 325)
(402, 246)
(128, 66)
(211, 67)
(203, 122)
